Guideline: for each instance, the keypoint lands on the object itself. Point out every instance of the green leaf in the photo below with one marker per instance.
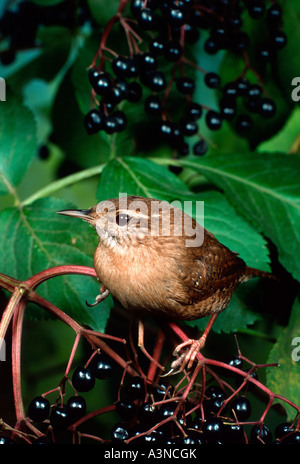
(35, 238)
(231, 229)
(284, 380)
(139, 176)
(266, 189)
(102, 10)
(286, 141)
(236, 316)
(17, 142)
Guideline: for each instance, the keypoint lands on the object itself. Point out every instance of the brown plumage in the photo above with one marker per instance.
(159, 272)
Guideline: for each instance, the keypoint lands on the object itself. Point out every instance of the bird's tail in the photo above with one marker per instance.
(251, 272)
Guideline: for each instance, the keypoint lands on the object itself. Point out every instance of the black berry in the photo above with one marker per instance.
(136, 388)
(235, 361)
(212, 80)
(283, 429)
(83, 379)
(76, 407)
(162, 391)
(213, 120)
(120, 433)
(189, 127)
(153, 105)
(240, 408)
(59, 417)
(254, 91)
(243, 124)
(185, 85)
(260, 434)
(210, 46)
(279, 40)
(147, 19)
(173, 51)
(200, 148)
(214, 391)
(6, 441)
(234, 433)
(292, 439)
(194, 111)
(101, 366)
(94, 121)
(39, 409)
(155, 80)
(134, 92)
(157, 46)
(227, 108)
(126, 409)
(256, 9)
(147, 413)
(103, 84)
(267, 108)
(242, 85)
(213, 429)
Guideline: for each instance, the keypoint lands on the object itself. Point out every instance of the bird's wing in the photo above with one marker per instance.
(209, 267)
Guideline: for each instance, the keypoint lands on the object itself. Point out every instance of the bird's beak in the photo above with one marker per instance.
(84, 214)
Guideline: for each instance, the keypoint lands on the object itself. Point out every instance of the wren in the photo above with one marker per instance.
(156, 259)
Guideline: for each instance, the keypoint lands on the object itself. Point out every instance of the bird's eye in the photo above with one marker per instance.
(122, 219)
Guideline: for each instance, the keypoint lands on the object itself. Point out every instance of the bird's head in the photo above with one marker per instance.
(132, 219)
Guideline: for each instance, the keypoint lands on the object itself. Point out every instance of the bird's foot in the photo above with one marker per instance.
(104, 294)
(187, 358)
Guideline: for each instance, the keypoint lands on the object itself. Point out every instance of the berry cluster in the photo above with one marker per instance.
(149, 416)
(157, 68)
(62, 415)
(19, 25)
(150, 409)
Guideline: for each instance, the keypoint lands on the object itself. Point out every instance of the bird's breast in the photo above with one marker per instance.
(140, 281)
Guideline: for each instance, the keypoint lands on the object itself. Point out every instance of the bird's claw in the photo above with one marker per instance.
(98, 298)
(186, 359)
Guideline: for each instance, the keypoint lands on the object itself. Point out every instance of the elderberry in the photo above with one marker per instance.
(120, 432)
(256, 9)
(213, 120)
(267, 108)
(200, 148)
(283, 429)
(260, 433)
(153, 105)
(136, 388)
(212, 80)
(173, 51)
(83, 379)
(241, 408)
(189, 127)
(94, 121)
(134, 92)
(101, 366)
(185, 85)
(39, 409)
(102, 84)
(147, 19)
(148, 413)
(213, 429)
(243, 124)
(59, 417)
(75, 408)
(126, 409)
